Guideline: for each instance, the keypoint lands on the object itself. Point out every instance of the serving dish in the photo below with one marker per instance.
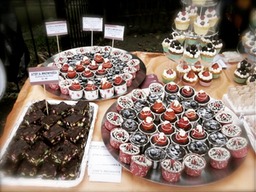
(119, 58)
(56, 181)
(208, 175)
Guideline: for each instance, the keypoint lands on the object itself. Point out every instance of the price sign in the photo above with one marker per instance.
(92, 23)
(114, 32)
(43, 75)
(56, 28)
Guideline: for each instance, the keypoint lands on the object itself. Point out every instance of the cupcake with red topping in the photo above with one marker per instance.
(168, 75)
(182, 69)
(147, 126)
(169, 115)
(194, 164)
(202, 98)
(238, 147)
(205, 78)
(219, 157)
(171, 88)
(180, 137)
(93, 66)
(192, 116)
(79, 68)
(176, 107)
(166, 127)
(91, 91)
(159, 140)
(71, 74)
(189, 78)
(182, 20)
(158, 108)
(187, 92)
(75, 90)
(144, 113)
(126, 151)
(98, 58)
(197, 67)
(100, 72)
(87, 74)
(216, 70)
(198, 133)
(85, 61)
(120, 86)
(64, 69)
(107, 64)
(106, 89)
(183, 123)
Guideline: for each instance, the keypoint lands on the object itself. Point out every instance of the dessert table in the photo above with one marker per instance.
(243, 179)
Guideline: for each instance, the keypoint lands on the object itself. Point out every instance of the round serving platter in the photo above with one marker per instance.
(208, 175)
(114, 54)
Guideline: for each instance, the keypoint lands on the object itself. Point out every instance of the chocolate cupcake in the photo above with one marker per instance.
(175, 151)
(156, 155)
(217, 139)
(130, 125)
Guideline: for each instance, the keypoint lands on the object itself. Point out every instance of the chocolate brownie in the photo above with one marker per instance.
(39, 106)
(29, 133)
(17, 150)
(74, 120)
(50, 120)
(54, 134)
(62, 109)
(75, 133)
(70, 170)
(48, 169)
(34, 117)
(27, 169)
(82, 107)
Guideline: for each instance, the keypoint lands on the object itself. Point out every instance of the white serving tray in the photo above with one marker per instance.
(249, 130)
(23, 181)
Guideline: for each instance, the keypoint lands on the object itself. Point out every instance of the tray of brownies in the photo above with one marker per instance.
(174, 135)
(95, 73)
(49, 144)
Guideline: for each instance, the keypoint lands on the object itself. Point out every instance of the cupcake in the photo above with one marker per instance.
(182, 69)
(205, 78)
(166, 127)
(224, 118)
(147, 126)
(191, 38)
(217, 139)
(217, 42)
(130, 125)
(166, 44)
(205, 113)
(93, 66)
(238, 147)
(71, 73)
(100, 72)
(130, 69)
(140, 104)
(168, 75)
(202, 98)
(241, 75)
(91, 92)
(211, 125)
(198, 147)
(198, 133)
(190, 104)
(197, 67)
(182, 21)
(98, 58)
(138, 94)
(79, 68)
(106, 89)
(126, 151)
(64, 85)
(171, 170)
(231, 130)
(156, 89)
(180, 137)
(158, 108)
(187, 92)
(211, 14)
(175, 151)
(216, 105)
(178, 36)
(251, 79)
(176, 107)
(117, 137)
(87, 74)
(183, 123)
(144, 113)
(107, 64)
(189, 78)
(159, 140)
(171, 88)
(134, 63)
(175, 51)
(194, 164)
(219, 157)
(113, 120)
(120, 86)
(201, 25)
(64, 69)
(128, 113)
(75, 90)
(216, 70)
(192, 116)
(208, 52)
(192, 12)
(128, 78)
(191, 54)
(169, 115)
(156, 155)
(85, 60)
(140, 165)
(124, 102)
(139, 139)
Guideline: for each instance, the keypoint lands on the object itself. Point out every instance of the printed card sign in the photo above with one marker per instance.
(43, 75)
(92, 23)
(115, 32)
(56, 28)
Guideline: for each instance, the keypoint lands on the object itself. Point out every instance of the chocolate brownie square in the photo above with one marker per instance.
(48, 169)
(40, 106)
(70, 170)
(17, 150)
(8, 166)
(75, 133)
(74, 120)
(37, 153)
(54, 134)
(27, 169)
(50, 120)
(63, 152)
(62, 109)
(29, 133)
(82, 107)
(34, 117)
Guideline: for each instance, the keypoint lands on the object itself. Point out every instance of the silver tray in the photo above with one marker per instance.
(25, 181)
(140, 75)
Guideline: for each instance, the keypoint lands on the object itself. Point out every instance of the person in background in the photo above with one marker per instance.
(234, 20)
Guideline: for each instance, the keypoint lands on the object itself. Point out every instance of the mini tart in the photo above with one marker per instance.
(194, 164)
(138, 94)
(238, 147)
(190, 78)
(219, 157)
(168, 75)
(124, 102)
(126, 151)
(166, 127)
(140, 165)
(198, 133)
(216, 105)
(216, 70)
(231, 130)
(171, 88)
(118, 136)
(224, 117)
(171, 170)
(187, 92)
(175, 151)
(180, 137)
(202, 97)
(159, 140)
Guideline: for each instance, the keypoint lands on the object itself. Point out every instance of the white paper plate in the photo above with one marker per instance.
(22, 181)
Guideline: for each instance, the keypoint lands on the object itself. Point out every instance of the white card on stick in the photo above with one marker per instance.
(56, 28)
(92, 23)
(43, 75)
(114, 32)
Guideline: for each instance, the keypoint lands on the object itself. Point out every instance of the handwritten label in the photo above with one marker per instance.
(56, 28)
(114, 32)
(43, 75)
(92, 23)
